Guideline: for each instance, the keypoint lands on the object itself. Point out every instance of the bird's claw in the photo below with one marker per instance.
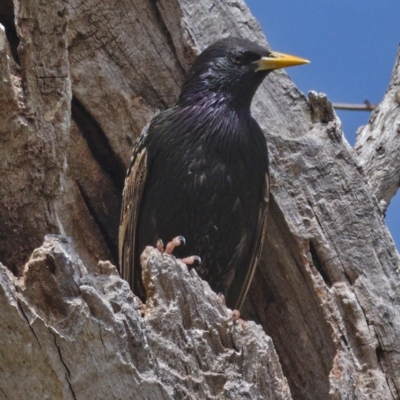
(169, 248)
(176, 241)
(236, 318)
(160, 246)
(191, 260)
(235, 315)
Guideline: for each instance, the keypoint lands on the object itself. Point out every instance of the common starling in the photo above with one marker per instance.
(200, 170)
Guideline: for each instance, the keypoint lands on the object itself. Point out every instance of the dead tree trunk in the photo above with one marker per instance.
(79, 80)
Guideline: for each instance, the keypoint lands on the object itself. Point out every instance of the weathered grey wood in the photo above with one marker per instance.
(67, 334)
(378, 143)
(34, 127)
(327, 289)
(331, 269)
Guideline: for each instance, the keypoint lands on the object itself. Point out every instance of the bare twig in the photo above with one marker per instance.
(367, 106)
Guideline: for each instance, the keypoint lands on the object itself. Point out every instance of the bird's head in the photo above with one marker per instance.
(230, 70)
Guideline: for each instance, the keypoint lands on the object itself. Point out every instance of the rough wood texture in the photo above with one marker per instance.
(34, 126)
(378, 143)
(83, 337)
(327, 289)
(329, 281)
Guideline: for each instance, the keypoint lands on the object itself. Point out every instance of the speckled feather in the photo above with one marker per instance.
(201, 170)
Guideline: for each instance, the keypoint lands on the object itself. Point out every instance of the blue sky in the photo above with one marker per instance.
(352, 46)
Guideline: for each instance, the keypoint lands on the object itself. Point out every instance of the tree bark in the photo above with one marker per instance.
(79, 82)
(67, 334)
(378, 143)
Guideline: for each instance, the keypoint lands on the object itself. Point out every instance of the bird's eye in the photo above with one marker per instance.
(238, 59)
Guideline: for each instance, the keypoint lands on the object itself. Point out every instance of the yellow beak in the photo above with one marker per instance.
(279, 60)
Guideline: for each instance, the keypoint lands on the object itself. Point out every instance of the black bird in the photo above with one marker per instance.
(200, 170)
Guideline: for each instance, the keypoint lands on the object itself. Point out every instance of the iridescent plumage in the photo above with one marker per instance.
(200, 170)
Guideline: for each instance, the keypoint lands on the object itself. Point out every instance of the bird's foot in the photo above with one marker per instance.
(236, 318)
(169, 248)
(235, 313)
(176, 241)
(160, 246)
(191, 260)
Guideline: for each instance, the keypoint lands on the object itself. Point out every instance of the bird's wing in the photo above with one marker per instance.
(244, 282)
(131, 199)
